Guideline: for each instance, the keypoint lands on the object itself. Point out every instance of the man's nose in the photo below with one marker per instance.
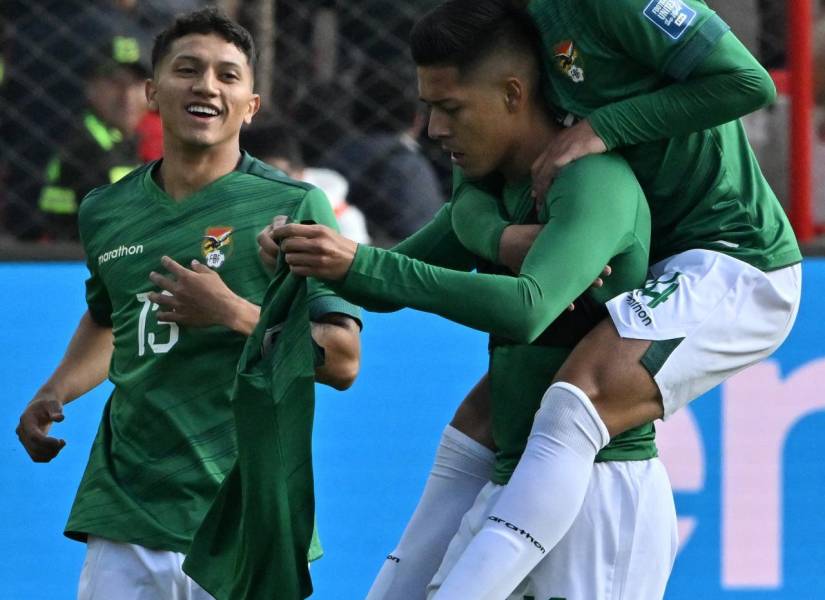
(206, 84)
(437, 127)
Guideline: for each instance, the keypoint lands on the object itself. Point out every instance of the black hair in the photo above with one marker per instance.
(462, 33)
(204, 21)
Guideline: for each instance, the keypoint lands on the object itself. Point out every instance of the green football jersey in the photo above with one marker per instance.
(167, 436)
(527, 315)
(705, 189)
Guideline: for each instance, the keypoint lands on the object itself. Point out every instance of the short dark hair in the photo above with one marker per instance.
(462, 33)
(204, 21)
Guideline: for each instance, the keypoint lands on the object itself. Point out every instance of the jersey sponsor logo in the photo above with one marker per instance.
(671, 16)
(118, 252)
(217, 243)
(394, 559)
(568, 60)
(518, 530)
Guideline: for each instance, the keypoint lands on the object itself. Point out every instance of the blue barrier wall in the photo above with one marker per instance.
(744, 460)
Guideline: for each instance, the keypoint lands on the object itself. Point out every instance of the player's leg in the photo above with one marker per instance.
(622, 543)
(462, 467)
(700, 319)
(471, 523)
(130, 572)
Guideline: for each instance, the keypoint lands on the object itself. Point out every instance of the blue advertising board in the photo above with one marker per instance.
(744, 460)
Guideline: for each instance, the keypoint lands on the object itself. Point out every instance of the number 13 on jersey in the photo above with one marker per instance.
(150, 337)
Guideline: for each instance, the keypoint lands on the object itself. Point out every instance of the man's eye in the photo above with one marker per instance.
(185, 70)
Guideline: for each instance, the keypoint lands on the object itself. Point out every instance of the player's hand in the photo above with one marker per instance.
(568, 145)
(597, 283)
(267, 247)
(315, 250)
(34, 425)
(195, 297)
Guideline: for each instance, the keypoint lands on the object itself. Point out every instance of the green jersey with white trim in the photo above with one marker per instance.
(167, 436)
(605, 60)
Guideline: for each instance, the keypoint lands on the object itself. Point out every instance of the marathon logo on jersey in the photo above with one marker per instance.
(567, 60)
(217, 242)
(118, 252)
(671, 16)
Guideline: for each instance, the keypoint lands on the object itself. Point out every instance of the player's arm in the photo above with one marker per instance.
(715, 80)
(727, 84)
(482, 229)
(568, 255)
(84, 366)
(435, 243)
(339, 335)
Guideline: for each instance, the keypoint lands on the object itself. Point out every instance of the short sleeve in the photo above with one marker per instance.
(315, 208)
(670, 36)
(97, 296)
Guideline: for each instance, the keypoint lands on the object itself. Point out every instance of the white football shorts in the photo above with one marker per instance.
(115, 570)
(620, 547)
(709, 316)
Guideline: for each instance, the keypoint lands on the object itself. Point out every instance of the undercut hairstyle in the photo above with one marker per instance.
(464, 33)
(204, 21)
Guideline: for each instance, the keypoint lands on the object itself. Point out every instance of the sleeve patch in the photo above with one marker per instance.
(671, 16)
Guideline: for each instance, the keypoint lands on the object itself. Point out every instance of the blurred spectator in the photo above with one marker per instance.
(275, 145)
(391, 181)
(49, 44)
(100, 149)
(46, 47)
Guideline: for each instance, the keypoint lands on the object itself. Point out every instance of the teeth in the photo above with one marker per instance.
(202, 110)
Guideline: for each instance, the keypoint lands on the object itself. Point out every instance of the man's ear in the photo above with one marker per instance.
(254, 106)
(514, 96)
(151, 93)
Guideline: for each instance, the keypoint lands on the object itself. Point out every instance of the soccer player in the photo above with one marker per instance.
(661, 81)
(167, 435)
(482, 86)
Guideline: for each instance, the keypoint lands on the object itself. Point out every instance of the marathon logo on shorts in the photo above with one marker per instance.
(639, 309)
(520, 531)
(671, 16)
(118, 252)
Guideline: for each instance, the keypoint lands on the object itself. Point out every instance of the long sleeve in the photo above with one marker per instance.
(726, 85)
(434, 244)
(583, 234)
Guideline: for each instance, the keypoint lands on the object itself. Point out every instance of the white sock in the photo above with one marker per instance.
(462, 467)
(540, 502)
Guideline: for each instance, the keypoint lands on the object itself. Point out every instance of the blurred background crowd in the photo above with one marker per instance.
(340, 107)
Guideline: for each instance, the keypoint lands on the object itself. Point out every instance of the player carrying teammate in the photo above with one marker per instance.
(167, 436)
(482, 86)
(660, 81)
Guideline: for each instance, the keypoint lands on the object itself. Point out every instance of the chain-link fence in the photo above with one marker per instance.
(334, 76)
